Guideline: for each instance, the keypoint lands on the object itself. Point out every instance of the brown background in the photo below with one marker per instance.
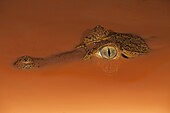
(45, 27)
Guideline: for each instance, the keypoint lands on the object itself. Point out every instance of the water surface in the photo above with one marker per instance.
(40, 28)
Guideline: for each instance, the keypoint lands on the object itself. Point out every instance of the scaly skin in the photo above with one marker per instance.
(126, 44)
(129, 45)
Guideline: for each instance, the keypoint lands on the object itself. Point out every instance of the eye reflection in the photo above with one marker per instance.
(108, 52)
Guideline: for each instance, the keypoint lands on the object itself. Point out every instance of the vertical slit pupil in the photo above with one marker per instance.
(109, 52)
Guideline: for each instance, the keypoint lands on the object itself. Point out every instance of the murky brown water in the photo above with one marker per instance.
(42, 28)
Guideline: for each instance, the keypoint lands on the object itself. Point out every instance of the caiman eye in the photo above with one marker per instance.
(108, 52)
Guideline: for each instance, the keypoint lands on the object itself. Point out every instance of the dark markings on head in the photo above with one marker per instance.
(124, 56)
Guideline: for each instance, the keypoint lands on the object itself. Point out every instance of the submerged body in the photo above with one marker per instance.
(98, 42)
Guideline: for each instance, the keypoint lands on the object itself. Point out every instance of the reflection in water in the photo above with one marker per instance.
(110, 67)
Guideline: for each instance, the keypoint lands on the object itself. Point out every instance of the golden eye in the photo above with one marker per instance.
(108, 52)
